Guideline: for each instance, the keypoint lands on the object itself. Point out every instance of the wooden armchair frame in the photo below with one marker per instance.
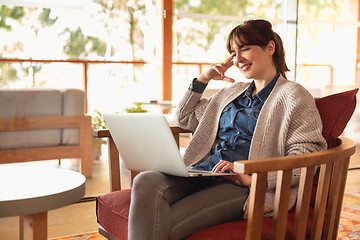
(333, 164)
(83, 150)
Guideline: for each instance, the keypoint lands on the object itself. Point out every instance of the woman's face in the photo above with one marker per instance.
(254, 62)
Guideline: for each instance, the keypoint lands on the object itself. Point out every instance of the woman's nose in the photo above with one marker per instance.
(237, 59)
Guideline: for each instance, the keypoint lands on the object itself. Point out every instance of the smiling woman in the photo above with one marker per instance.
(244, 121)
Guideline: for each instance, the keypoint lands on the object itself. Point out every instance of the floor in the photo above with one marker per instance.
(80, 218)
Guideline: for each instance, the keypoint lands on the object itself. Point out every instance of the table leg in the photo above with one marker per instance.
(33, 227)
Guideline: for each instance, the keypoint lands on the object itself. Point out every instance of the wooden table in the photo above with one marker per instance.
(30, 192)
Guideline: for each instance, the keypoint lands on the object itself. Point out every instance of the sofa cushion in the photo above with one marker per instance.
(73, 102)
(335, 111)
(28, 103)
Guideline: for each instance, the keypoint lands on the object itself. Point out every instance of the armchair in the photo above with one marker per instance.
(317, 212)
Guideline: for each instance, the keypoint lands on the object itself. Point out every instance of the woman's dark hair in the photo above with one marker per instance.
(259, 32)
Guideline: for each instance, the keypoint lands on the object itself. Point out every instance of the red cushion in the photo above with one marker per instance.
(112, 209)
(335, 111)
(112, 212)
(237, 230)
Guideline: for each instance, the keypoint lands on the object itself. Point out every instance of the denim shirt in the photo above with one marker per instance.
(236, 126)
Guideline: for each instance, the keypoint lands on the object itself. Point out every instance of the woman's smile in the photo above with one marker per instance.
(245, 67)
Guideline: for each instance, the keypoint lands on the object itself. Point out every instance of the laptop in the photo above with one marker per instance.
(145, 142)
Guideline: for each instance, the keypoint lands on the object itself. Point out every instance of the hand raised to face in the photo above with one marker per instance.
(217, 72)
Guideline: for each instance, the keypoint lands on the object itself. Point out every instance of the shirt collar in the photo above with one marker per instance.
(264, 93)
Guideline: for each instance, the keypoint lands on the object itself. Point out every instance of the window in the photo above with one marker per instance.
(320, 39)
(327, 45)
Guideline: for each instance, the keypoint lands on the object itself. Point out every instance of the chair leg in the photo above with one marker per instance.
(106, 234)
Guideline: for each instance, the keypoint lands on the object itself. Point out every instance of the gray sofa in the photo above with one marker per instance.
(44, 124)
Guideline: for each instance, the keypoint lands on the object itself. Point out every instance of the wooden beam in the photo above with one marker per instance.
(167, 49)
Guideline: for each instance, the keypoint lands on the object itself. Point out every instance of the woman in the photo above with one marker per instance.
(266, 117)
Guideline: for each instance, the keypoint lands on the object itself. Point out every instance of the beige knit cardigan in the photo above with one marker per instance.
(288, 124)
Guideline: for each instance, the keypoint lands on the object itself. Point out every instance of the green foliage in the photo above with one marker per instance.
(78, 43)
(97, 46)
(97, 121)
(32, 69)
(45, 17)
(136, 109)
(7, 12)
(8, 74)
(36, 67)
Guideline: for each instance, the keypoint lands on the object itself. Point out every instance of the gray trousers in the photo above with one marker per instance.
(169, 207)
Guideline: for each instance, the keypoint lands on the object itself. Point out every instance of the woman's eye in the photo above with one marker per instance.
(244, 49)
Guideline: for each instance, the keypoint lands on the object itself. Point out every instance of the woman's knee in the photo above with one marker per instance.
(148, 181)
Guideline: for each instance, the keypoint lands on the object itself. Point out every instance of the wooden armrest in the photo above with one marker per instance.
(345, 148)
(114, 164)
(101, 133)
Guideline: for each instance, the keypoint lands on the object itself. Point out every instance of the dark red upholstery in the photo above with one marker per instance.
(335, 111)
(236, 230)
(112, 209)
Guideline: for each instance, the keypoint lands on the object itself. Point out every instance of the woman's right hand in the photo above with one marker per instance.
(217, 72)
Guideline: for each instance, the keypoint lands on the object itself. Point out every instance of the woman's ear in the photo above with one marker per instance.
(271, 47)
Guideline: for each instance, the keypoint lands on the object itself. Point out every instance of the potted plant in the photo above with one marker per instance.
(97, 122)
(136, 109)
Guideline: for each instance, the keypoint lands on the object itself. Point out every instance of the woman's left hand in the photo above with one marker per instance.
(222, 166)
(239, 178)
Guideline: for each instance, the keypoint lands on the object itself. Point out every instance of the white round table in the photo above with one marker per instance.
(30, 192)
